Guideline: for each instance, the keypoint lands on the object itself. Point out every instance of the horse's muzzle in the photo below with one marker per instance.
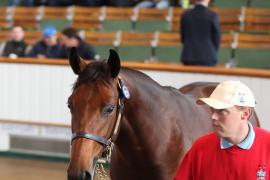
(84, 176)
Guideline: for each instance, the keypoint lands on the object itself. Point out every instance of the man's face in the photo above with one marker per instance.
(17, 34)
(50, 40)
(227, 122)
(69, 42)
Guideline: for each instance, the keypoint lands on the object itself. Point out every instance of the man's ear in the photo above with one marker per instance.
(246, 113)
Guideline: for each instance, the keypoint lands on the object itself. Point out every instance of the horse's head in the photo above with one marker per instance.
(94, 105)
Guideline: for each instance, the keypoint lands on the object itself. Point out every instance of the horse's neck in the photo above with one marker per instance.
(139, 127)
(148, 129)
(144, 93)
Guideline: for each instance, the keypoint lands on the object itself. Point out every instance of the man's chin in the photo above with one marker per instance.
(219, 132)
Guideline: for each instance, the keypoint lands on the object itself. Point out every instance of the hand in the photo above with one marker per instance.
(41, 56)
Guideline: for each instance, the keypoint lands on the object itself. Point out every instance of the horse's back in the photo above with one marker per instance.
(198, 89)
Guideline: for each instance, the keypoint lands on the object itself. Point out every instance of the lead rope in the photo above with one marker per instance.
(102, 172)
(103, 165)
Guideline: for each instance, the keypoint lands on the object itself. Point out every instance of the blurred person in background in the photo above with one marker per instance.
(48, 46)
(21, 2)
(159, 4)
(122, 3)
(58, 3)
(200, 35)
(15, 46)
(70, 38)
(89, 3)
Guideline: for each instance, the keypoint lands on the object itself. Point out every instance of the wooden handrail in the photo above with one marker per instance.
(30, 60)
(155, 66)
(34, 123)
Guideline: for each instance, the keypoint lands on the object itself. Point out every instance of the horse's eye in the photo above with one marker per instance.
(108, 109)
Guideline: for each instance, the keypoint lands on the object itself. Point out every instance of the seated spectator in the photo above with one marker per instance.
(58, 3)
(41, 2)
(89, 3)
(48, 46)
(15, 46)
(122, 3)
(159, 4)
(70, 38)
(21, 2)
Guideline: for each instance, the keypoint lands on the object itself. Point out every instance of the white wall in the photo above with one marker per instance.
(36, 92)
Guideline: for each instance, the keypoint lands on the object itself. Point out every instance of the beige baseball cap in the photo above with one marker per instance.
(228, 94)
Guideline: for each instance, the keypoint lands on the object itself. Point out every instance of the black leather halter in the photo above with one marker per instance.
(100, 139)
(90, 136)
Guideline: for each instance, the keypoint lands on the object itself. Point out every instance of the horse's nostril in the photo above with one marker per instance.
(86, 175)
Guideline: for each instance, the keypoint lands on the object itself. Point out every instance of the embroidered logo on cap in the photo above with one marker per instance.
(241, 97)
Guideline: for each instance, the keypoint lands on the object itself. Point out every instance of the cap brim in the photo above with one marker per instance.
(216, 104)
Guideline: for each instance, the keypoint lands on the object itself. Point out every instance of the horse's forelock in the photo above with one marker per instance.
(93, 72)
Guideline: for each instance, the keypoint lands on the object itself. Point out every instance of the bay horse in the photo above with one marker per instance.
(152, 126)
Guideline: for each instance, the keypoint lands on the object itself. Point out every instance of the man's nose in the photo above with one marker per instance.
(214, 116)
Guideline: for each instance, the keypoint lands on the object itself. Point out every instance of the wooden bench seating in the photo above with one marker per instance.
(230, 18)
(175, 19)
(128, 19)
(256, 41)
(5, 17)
(27, 17)
(100, 38)
(86, 18)
(56, 12)
(257, 19)
(4, 35)
(151, 19)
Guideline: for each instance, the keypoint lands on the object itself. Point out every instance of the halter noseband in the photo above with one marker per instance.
(90, 136)
(123, 93)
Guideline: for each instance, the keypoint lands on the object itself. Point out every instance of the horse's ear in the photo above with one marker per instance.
(76, 63)
(114, 63)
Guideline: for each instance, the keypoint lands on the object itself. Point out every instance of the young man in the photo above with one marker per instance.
(235, 150)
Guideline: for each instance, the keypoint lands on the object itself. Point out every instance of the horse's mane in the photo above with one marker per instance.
(139, 75)
(98, 70)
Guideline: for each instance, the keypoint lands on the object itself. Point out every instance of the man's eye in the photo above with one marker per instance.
(218, 111)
